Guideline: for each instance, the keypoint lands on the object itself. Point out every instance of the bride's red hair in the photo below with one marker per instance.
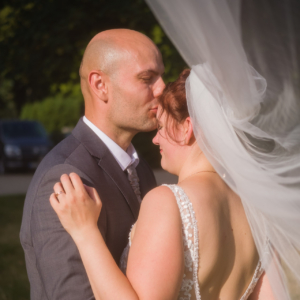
(173, 100)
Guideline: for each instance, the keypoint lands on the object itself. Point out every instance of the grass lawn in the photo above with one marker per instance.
(14, 283)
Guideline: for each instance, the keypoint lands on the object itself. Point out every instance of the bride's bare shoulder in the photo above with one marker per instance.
(159, 215)
(206, 188)
(159, 205)
(159, 197)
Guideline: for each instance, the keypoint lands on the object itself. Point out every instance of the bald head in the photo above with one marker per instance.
(109, 48)
(121, 79)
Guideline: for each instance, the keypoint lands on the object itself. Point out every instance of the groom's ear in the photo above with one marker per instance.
(98, 82)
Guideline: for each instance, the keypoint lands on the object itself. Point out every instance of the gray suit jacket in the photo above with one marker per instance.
(53, 263)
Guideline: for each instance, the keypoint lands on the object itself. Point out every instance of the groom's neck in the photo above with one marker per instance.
(120, 136)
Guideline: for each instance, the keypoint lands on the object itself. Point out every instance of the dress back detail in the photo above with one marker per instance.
(190, 289)
(190, 286)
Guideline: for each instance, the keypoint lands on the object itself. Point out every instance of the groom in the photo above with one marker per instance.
(120, 81)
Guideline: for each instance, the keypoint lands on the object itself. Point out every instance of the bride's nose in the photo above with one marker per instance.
(155, 139)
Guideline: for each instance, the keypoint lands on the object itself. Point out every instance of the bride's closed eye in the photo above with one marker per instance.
(159, 127)
(161, 130)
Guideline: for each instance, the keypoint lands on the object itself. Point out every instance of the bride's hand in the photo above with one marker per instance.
(77, 206)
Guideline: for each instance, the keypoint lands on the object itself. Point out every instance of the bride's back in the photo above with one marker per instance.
(227, 253)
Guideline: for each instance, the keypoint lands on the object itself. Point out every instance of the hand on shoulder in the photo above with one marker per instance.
(77, 206)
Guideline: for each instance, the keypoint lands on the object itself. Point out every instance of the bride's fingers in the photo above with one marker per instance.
(77, 182)
(58, 188)
(67, 184)
(59, 192)
(54, 202)
(88, 190)
(93, 194)
(96, 197)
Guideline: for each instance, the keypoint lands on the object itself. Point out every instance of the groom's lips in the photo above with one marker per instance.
(154, 109)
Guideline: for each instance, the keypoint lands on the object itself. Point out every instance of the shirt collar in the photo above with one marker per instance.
(124, 158)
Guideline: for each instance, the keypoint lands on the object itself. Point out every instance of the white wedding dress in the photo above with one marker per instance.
(190, 289)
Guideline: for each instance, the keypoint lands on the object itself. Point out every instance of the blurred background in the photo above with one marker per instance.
(41, 46)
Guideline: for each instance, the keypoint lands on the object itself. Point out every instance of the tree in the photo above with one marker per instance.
(42, 42)
(56, 112)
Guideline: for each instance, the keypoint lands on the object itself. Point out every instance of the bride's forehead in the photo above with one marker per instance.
(165, 119)
(161, 113)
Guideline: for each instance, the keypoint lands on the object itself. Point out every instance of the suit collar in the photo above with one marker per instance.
(107, 162)
(124, 158)
(90, 140)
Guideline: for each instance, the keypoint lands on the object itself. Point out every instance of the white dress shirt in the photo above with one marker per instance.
(124, 158)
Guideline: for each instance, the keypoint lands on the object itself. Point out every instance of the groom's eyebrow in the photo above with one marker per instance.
(146, 72)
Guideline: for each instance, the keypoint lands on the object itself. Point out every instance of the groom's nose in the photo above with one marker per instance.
(158, 88)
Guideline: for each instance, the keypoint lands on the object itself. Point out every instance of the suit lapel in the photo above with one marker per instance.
(107, 162)
(112, 168)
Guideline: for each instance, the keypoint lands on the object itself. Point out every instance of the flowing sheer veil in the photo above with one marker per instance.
(243, 96)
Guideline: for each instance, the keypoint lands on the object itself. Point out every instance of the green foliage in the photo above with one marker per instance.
(6, 23)
(172, 60)
(42, 42)
(58, 111)
(7, 105)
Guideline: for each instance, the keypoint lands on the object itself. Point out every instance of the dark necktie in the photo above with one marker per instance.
(134, 181)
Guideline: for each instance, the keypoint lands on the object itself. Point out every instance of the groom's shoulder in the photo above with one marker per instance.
(65, 157)
(70, 147)
(60, 153)
(49, 171)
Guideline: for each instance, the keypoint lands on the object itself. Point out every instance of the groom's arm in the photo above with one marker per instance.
(58, 261)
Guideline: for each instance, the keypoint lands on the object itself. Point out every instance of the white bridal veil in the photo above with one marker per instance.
(244, 99)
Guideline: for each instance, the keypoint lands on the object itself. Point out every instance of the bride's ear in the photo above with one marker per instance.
(189, 133)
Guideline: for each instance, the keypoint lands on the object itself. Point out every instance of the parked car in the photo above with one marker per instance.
(22, 144)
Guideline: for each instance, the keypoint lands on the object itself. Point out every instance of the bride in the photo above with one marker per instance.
(191, 241)
(232, 136)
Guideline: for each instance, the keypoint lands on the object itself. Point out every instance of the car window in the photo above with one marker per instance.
(23, 129)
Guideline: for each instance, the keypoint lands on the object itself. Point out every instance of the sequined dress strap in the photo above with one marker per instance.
(258, 272)
(190, 286)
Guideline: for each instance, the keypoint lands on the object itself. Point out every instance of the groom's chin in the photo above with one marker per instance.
(149, 126)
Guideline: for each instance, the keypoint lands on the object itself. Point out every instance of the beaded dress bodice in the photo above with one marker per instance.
(190, 289)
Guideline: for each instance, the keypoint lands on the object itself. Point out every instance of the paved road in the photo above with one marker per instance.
(18, 183)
